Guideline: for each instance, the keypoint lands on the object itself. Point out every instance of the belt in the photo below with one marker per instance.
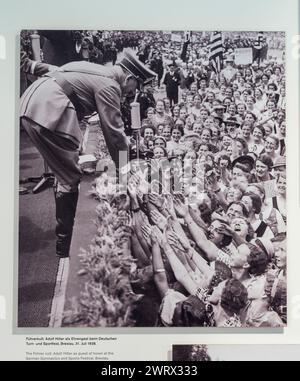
(69, 92)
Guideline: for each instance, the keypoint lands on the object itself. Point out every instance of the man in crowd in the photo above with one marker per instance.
(172, 81)
(50, 112)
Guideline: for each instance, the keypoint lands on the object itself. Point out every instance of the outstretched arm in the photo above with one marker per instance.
(179, 270)
(138, 219)
(160, 277)
(194, 260)
(197, 233)
(138, 252)
(108, 103)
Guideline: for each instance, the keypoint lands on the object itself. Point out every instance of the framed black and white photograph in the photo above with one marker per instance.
(150, 183)
(152, 179)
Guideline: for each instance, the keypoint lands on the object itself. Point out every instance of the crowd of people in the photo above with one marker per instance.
(93, 46)
(208, 200)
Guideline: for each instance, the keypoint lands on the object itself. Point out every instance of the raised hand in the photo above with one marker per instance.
(143, 186)
(212, 180)
(225, 229)
(174, 240)
(156, 200)
(132, 190)
(159, 220)
(135, 179)
(169, 205)
(157, 235)
(147, 232)
(180, 208)
(140, 194)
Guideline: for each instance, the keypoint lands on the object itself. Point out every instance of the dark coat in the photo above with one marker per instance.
(172, 82)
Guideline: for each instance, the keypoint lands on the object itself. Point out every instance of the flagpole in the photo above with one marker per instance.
(216, 51)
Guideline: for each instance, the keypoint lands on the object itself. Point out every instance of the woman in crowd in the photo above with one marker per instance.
(258, 144)
(173, 146)
(260, 100)
(279, 201)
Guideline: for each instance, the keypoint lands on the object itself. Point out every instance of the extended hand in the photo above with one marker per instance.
(157, 236)
(156, 200)
(169, 205)
(147, 232)
(159, 220)
(175, 241)
(132, 190)
(225, 229)
(180, 208)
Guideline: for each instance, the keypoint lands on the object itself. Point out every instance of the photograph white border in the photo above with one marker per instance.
(134, 15)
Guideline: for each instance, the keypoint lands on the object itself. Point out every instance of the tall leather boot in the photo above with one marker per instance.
(66, 204)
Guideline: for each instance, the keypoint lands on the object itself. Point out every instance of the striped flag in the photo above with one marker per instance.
(216, 52)
(187, 36)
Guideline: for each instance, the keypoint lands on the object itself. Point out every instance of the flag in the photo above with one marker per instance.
(260, 48)
(187, 36)
(187, 40)
(216, 52)
(183, 54)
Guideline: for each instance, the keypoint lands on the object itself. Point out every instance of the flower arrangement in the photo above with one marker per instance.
(107, 299)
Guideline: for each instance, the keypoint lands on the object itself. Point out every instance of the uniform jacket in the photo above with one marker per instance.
(98, 88)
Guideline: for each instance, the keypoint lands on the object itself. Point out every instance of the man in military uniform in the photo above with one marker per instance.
(50, 112)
